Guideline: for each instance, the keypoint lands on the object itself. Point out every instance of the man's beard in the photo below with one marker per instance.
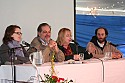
(101, 40)
(47, 38)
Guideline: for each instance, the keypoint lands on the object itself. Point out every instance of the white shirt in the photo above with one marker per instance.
(101, 45)
(43, 42)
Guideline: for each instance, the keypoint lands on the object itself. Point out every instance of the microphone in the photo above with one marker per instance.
(77, 45)
(75, 42)
(27, 44)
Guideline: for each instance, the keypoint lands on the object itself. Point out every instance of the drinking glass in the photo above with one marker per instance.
(81, 58)
(108, 55)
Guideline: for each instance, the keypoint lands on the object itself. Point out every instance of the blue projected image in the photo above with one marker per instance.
(86, 25)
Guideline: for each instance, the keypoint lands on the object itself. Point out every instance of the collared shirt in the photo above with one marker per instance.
(43, 42)
(101, 45)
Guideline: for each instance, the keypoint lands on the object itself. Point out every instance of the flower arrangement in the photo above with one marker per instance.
(54, 78)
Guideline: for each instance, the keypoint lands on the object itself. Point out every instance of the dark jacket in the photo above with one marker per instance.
(94, 41)
(76, 50)
(5, 55)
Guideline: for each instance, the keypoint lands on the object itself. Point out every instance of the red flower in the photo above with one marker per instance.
(55, 78)
(60, 79)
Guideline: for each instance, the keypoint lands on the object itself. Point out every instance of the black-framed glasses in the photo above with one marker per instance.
(19, 33)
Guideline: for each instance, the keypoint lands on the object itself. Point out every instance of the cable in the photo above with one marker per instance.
(12, 52)
(37, 77)
(12, 71)
(102, 69)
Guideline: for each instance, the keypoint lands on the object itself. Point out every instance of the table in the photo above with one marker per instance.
(91, 71)
(114, 71)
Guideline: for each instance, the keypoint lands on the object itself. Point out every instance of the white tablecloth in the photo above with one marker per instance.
(114, 71)
(89, 72)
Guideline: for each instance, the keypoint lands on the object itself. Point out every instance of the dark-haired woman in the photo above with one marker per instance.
(11, 51)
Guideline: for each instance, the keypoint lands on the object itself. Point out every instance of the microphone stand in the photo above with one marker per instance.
(77, 45)
(77, 49)
(13, 56)
(12, 52)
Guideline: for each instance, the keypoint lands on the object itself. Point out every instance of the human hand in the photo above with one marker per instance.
(91, 49)
(76, 57)
(116, 55)
(53, 46)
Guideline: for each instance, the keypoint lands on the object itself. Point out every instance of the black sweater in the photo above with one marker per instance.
(6, 56)
(76, 50)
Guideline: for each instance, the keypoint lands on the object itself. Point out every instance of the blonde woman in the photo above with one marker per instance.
(69, 49)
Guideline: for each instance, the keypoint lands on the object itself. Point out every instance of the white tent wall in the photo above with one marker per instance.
(28, 14)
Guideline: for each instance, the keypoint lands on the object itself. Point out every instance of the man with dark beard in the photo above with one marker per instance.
(44, 43)
(98, 45)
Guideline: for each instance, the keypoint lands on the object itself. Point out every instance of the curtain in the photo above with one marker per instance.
(86, 25)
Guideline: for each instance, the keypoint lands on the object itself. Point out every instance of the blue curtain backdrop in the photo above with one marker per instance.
(86, 25)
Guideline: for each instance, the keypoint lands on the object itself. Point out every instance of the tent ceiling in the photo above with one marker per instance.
(102, 6)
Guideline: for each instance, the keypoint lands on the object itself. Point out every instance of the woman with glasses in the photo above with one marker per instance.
(11, 51)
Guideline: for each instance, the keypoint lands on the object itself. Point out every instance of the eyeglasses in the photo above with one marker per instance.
(19, 33)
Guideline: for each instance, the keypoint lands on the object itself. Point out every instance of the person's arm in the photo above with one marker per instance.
(4, 53)
(87, 55)
(116, 54)
(59, 56)
(47, 55)
(91, 49)
(26, 56)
